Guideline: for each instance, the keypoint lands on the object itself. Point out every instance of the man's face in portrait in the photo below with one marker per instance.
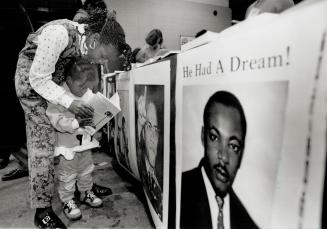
(223, 141)
(151, 133)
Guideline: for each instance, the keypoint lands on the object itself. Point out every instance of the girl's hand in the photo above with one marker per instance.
(85, 121)
(81, 109)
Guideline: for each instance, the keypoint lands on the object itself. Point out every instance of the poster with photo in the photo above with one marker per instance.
(124, 131)
(246, 113)
(109, 89)
(152, 123)
(231, 120)
(321, 114)
(185, 39)
(109, 84)
(149, 131)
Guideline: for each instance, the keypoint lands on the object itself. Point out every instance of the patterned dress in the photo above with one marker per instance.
(39, 58)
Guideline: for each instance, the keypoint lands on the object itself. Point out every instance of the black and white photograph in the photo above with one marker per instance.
(122, 142)
(232, 136)
(151, 118)
(122, 131)
(159, 114)
(185, 39)
(109, 88)
(149, 131)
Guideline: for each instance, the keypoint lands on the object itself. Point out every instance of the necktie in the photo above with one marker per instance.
(220, 222)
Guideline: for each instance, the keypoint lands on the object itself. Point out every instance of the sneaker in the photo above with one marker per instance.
(71, 211)
(100, 190)
(48, 219)
(90, 199)
(15, 174)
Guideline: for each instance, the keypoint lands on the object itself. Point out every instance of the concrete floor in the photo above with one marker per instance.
(123, 209)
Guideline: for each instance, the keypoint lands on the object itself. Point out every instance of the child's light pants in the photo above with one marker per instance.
(76, 171)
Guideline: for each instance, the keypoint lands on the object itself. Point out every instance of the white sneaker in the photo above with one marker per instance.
(71, 211)
(90, 199)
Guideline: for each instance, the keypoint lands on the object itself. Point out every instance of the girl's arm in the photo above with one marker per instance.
(51, 42)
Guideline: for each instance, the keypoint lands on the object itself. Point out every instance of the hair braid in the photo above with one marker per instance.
(95, 20)
(111, 32)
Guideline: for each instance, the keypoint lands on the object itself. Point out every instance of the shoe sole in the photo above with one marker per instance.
(73, 218)
(14, 174)
(103, 195)
(93, 206)
(12, 178)
(36, 224)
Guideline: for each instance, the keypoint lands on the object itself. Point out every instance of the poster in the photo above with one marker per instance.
(185, 39)
(260, 147)
(263, 167)
(149, 110)
(152, 123)
(109, 88)
(109, 84)
(124, 131)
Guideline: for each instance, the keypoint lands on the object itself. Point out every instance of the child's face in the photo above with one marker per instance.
(79, 85)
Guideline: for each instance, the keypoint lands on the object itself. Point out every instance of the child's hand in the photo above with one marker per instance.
(85, 121)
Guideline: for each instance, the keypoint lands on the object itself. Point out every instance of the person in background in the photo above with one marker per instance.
(153, 45)
(74, 140)
(15, 25)
(87, 7)
(39, 74)
(268, 6)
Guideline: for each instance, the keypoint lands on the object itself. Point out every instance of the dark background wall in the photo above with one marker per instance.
(14, 28)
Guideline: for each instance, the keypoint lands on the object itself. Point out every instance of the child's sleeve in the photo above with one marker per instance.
(60, 120)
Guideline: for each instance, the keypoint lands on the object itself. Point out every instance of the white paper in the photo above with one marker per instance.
(272, 70)
(104, 109)
(151, 111)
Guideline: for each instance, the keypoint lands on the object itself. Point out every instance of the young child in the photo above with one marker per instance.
(74, 141)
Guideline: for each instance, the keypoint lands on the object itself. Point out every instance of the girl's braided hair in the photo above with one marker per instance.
(92, 4)
(111, 32)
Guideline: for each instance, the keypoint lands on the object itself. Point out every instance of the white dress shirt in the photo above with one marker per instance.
(213, 203)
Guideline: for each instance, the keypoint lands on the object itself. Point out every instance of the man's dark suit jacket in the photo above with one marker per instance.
(195, 210)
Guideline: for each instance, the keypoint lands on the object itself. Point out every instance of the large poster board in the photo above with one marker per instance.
(246, 110)
(152, 130)
(124, 129)
(109, 89)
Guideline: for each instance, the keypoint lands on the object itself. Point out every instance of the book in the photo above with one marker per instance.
(104, 109)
